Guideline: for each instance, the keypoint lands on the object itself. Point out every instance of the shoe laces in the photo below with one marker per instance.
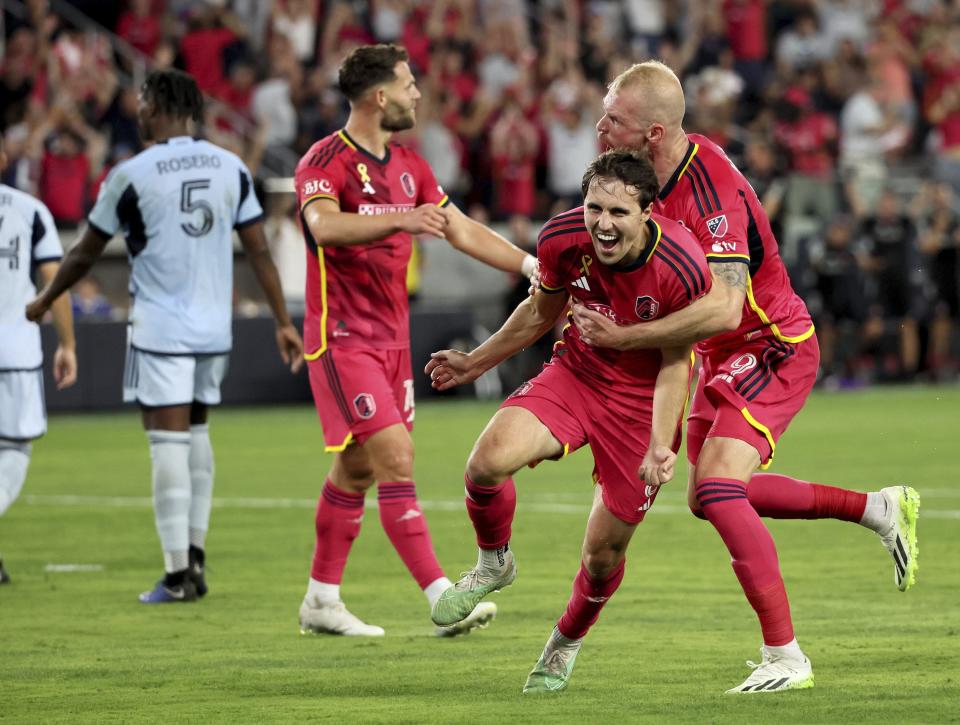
(470, 580)
(557, 662)
(772, 664)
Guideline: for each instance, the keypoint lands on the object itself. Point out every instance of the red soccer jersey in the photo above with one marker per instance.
(708, 195)
(670, 274)
(357, 295)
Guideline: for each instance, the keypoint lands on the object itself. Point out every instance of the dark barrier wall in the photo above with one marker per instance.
(256, 374)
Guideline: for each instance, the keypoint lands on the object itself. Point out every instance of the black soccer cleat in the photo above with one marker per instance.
(196, 571)
(4, 577)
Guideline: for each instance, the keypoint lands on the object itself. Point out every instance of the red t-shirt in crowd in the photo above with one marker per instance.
(63, 185)
(809, 142)
(746, 28)
(203, 55)
(142, 33)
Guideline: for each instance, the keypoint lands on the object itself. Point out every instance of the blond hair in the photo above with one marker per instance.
(658, 87)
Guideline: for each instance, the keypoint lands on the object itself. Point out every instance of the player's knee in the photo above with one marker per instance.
(394, 465)
(601, 562)
(487, 466)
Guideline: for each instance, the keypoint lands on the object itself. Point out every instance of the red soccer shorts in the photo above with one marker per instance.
(360, 391)
(751, 393)
(617, 429)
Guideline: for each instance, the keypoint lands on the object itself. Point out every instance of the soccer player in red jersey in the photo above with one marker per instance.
(617, 257)
(361, 198)
(759, 362)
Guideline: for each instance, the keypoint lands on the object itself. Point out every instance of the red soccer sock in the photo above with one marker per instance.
(491, 511)
(724, 502)
(407, 530)
(338, 522)
(589, 596)
(781, 497)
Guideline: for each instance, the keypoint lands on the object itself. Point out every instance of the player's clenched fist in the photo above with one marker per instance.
(657, 466)
(449, 368)
(425, 219)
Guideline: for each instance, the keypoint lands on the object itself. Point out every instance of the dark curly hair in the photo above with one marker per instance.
(369, 66)
(174, 93)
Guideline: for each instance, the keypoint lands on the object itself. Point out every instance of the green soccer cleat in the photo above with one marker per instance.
(457, 602)
(553, 669)
(479, 618)
(900, 536)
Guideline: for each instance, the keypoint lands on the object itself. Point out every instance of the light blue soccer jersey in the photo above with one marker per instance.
(177, 203)
(28, 238)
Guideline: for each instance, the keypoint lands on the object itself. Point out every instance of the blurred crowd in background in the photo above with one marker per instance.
(844, 115)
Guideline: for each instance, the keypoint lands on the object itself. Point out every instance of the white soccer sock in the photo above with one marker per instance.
(495, 560)
(434, 589)
(170, 453)
(875, 513)
(201, 483)
(14, 459)
(322, 593)
(790, 651)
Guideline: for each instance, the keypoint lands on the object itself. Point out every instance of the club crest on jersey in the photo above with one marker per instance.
(718, 225)
(406, 181)
(365, 178)
(365, 405)
(647, 307)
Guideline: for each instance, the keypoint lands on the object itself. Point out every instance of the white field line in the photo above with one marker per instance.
(69, 568)
(307, 503)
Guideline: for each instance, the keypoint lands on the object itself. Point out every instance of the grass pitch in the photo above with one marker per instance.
(75, 646)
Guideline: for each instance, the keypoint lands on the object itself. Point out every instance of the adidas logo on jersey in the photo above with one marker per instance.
(582, 283)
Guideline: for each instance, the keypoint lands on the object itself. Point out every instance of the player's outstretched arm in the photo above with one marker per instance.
(484, 244)
(532, 318)
(717, 311)
(331, 227)
(288, 339)
(669, 398)
(65, 358)
(75, 265)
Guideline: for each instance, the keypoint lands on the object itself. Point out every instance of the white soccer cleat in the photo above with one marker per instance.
(479, 618)
(776, 674)
(900, 535)
(333, 618)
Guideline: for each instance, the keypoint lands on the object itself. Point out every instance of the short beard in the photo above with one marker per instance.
(394, 120)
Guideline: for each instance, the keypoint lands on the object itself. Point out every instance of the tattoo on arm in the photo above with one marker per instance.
(733, 274)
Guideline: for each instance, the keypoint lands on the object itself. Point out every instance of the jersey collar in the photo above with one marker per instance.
(178, 140)
(655, 233)
(348, 140)
(692, 149)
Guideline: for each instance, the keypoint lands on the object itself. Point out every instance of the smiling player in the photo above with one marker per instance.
(615, 256)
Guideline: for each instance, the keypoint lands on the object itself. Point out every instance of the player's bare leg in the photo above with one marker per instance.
(513, 438)
(338, 519)
(168, 429)
(603, 557)
(720, 492)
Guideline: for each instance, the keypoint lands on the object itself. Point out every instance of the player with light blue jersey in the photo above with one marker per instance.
(28, 243)
(177, 204)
